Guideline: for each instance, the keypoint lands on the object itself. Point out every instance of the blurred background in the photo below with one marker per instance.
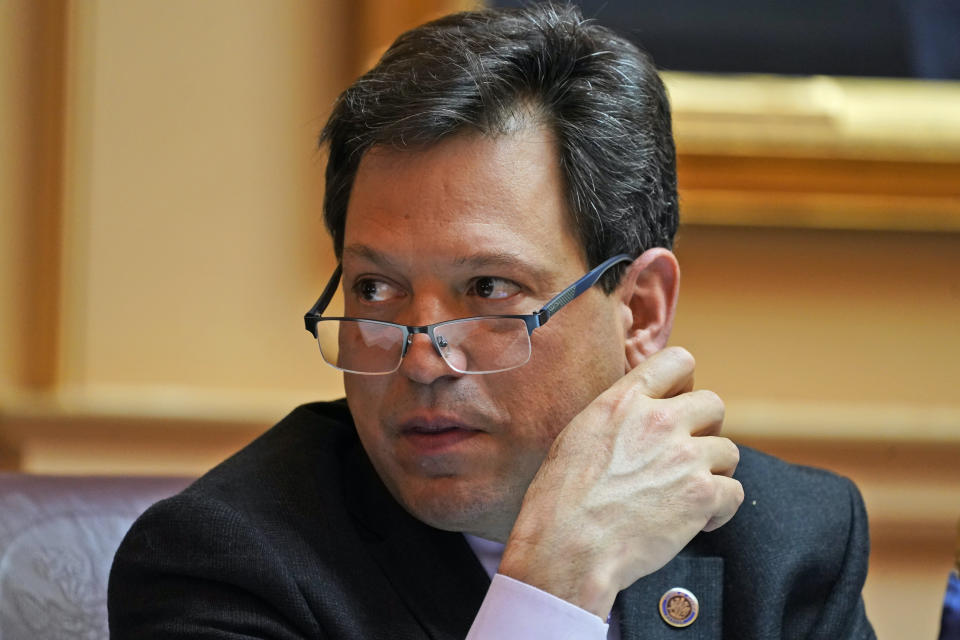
(161, 236)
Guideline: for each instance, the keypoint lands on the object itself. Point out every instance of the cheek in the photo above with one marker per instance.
(566, 372)
(363, 398)
(591, 358)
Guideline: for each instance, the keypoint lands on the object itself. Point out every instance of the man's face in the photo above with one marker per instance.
(471, 226)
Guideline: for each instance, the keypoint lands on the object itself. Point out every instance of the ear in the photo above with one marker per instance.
(648, 293)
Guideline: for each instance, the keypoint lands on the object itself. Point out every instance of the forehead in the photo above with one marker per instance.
(463, 195)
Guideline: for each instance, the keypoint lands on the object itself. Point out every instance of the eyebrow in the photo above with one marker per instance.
(504, 259)
(364, 252)
(484, 260)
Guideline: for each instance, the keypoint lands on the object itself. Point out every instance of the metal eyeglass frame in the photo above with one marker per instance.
(531, 320)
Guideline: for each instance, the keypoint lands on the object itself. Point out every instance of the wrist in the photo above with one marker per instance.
(577, 576)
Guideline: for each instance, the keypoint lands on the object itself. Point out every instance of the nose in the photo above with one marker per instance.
(422, 363)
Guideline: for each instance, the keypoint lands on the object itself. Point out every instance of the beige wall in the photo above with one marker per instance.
(15, 179)
(30, 181)
(823, 317)
(161, 238)
(201, 163)
(191, 234)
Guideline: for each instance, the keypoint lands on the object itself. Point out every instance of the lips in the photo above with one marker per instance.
(429, 422)
(435, 434)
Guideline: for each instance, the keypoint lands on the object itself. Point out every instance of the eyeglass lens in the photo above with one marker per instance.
(478, 345)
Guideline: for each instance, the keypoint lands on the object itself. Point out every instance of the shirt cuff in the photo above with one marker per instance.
(514, 610)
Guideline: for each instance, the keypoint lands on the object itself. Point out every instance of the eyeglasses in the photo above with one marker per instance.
(482, 344)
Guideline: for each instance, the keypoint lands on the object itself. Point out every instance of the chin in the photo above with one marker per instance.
(457, 505)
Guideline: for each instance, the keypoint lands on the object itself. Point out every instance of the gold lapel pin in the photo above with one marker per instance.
(679, 607)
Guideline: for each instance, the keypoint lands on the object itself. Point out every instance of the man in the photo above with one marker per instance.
(506, 414)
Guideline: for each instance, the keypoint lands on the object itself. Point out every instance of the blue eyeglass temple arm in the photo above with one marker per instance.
(567, 295)
(310, 317)
(534, 320)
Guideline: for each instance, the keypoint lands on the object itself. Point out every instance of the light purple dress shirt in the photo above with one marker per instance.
(514, 610)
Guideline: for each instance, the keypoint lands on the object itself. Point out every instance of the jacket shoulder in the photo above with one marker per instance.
(800, 539)
(240, 537)
(791, 490)
(307, 446)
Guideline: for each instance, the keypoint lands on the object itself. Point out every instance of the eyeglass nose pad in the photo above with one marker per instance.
(440, 342)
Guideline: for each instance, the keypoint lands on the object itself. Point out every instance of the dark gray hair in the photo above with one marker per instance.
(486, 70)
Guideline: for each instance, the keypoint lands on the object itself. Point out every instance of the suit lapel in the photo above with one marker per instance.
(638, 605)
(433, 572)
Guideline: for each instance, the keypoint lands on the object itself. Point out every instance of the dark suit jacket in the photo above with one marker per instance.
(296, 537)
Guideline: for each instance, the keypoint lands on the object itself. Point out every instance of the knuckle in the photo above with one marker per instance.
(734, 451)
(661, 418)
(711, 398)
(607, 402)
(646, 378)
(683, 356)
(618, 406)
(686, 452)
(711, 404)
(739, 494)
(702, 488)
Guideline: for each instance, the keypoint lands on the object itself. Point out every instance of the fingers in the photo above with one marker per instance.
(642, 468)
(701, 412)
(722, 455)
(665, 374)
(718, 494)
(729, 499)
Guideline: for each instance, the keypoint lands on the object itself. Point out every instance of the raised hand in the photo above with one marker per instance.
(625, 486)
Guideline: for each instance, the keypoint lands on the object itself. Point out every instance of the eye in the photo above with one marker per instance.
(493, 288)
(370, 290)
